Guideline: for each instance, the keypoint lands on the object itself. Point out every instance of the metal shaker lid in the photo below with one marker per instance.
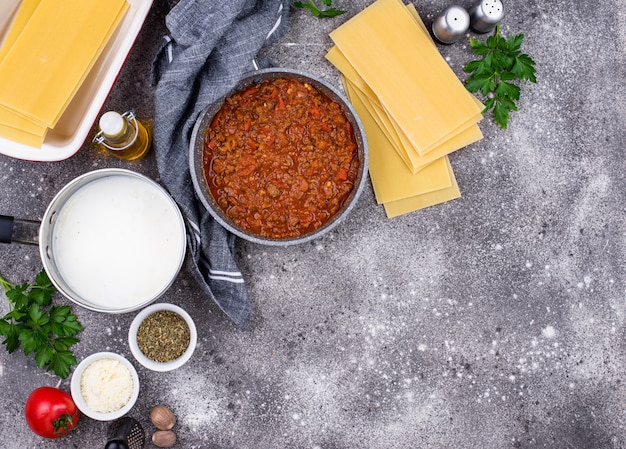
(451, 25)
(486, 15)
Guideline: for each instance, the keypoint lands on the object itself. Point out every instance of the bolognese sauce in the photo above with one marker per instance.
(280, 158)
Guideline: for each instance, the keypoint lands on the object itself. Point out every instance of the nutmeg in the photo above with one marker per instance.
(162, 418)
(164, 438)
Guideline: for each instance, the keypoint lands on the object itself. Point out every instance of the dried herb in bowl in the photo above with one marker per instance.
(163, 336)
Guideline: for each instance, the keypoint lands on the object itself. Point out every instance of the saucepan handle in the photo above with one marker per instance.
(19, 230)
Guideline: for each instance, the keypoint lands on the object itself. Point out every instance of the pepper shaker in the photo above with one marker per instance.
(486, 15)
(451, 25)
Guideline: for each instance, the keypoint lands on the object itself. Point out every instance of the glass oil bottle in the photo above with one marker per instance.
(123, 135)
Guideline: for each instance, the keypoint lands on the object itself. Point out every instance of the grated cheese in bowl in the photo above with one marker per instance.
(106, 385)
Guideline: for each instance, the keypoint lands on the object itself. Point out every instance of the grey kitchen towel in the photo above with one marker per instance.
(211, 44)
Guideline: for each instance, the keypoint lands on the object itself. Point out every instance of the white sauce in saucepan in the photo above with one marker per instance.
(118, 242)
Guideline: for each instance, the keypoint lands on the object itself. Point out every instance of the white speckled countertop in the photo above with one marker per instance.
(497, 320)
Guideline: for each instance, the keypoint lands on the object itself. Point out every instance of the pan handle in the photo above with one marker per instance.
(19, 230)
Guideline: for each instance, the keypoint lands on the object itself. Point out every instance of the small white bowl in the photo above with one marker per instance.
(77, 394)
(141, 357)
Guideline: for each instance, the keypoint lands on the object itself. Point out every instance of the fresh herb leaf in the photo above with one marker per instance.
(61, 362)
(11, 334)
(316, 11)
(38, 327)
(44, 356)
(496, 74)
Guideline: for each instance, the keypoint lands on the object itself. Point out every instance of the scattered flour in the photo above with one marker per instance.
(549, 332)
(198, 405)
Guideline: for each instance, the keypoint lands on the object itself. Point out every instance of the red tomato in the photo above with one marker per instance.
(50, 412)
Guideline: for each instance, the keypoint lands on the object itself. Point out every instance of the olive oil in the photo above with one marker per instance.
(123, 135)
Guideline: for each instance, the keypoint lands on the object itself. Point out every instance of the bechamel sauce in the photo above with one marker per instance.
(118, 242)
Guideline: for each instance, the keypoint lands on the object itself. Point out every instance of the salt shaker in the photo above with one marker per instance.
(451, 25)
(123, 135)
(126, 433)
(485, 15)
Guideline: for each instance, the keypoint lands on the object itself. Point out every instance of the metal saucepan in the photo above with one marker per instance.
(111, 240)
(197, 148)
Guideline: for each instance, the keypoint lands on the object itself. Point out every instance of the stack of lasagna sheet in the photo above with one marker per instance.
(44, 58)
(414, 109)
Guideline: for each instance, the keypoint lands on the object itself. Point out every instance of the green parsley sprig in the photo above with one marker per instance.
(317, 12)
(39, 327)
(495, 75)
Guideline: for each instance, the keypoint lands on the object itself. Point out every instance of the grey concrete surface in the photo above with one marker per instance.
(496, 320)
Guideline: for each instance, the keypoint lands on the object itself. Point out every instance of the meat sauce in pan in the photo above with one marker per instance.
(280, 158)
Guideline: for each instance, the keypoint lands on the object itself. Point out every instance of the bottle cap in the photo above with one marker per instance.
(486, 15)
(451, 25)
(112, 124)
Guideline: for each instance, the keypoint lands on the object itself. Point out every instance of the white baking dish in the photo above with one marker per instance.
(75, 124)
